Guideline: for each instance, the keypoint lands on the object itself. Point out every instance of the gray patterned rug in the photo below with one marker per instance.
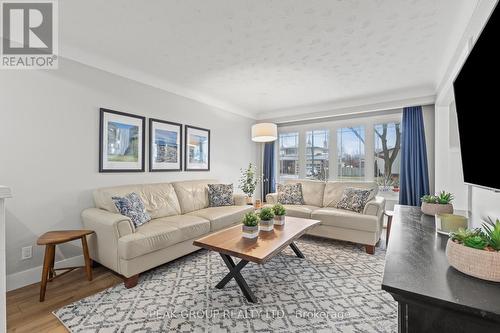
(335, 289)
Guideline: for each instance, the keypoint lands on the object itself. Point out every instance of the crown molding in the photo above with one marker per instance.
(113, 67)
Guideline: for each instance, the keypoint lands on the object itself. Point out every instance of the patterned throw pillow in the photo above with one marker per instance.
(354, 199)
(290, 194)
(220, 195)
(132, 206)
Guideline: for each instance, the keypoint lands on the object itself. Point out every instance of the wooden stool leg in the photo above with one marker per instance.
(88, 262)
(47, 262)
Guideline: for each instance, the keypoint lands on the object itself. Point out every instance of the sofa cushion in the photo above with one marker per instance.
(222, 217)
(346, 219)
(220, 195)
(159, 199)
(354, 199)
(335, 189)
(290, 194)
(161, 233)
(303, 211)
(312, 190)
(132, 206)
(192, 194)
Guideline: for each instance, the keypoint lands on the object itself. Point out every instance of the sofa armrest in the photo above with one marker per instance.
(108, 227)
(375, 207)
(239, 199)
(272, 198)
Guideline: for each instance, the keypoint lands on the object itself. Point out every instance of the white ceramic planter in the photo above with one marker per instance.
(279, 219)
(433, 209)
(250, 232)
(478, 263)
(267, 225)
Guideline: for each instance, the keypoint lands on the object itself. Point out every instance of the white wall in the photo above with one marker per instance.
(49, 147)
(449, 175)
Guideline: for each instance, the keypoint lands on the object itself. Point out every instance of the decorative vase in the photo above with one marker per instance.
(433, 209)
(249, 200)
(279, 219)
(478, 263)
(250, 232)
(267, 225)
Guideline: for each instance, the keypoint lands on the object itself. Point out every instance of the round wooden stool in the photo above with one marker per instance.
(50, 240)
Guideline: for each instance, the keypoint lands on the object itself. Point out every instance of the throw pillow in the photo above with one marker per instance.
(220, 195)
(290, 194)
(132, 206)
(354, 199)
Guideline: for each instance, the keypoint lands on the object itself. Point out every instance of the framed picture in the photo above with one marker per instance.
(121, 142)
(197, 151)
(165, 146)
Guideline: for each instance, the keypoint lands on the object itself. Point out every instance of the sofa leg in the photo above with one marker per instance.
(370, 249)
(131, 282)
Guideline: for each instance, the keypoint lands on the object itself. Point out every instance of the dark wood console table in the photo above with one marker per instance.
(431, 295)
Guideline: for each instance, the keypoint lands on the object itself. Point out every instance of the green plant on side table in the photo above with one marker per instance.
(266, 219)
(250, 226)
(279, 214)
(437, 204)
(476, 252)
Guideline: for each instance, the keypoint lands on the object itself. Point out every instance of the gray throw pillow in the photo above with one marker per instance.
(354, 199)
(220, 195)
(290, 194)
(132, 206)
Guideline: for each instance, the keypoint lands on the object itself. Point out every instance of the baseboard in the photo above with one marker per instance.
(33, 275)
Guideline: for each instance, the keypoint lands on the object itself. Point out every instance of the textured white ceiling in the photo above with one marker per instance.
(257, 56)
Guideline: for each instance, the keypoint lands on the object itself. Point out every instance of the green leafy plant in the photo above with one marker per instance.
(443, 198)
(492, 231)
(478, 241)
(279, 210)
(462, 234)
(266, 214)
(248, 180)
(251, 219)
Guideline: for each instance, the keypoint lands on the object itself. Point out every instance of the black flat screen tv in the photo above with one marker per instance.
(477, 100)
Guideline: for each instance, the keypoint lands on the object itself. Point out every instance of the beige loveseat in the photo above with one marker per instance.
(321, 200)
(180, 214)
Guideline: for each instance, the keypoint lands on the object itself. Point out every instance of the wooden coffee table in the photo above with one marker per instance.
(229, 242)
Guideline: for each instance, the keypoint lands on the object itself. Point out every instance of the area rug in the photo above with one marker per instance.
(336, 288)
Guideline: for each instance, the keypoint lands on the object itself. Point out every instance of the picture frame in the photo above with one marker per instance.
(165, 145)
(196, 148)
(122, 143)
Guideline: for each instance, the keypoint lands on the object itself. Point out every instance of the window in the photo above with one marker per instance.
(317, 154)
(351, 153)
(289, 155)
(387, 157)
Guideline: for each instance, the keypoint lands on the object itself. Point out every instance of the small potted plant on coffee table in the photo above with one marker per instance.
(266, 219)
(279, 214)
(437, 204)
(250, 226)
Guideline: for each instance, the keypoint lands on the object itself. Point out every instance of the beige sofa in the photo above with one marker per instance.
(180, 215)
(321, 199)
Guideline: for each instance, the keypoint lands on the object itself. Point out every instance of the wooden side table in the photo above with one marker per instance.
(50, 240)
(389, 214)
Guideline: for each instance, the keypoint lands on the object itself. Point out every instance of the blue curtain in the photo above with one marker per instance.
(414, 176)
(269, 181)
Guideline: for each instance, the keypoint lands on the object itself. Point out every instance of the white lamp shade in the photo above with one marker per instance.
(264, 132)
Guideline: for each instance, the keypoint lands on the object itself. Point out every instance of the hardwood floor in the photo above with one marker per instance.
(26, 314)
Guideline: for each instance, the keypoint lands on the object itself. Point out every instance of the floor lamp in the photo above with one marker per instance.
(262, 133)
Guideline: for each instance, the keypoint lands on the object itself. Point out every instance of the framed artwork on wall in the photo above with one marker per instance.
(197, 149)
(121, 141)
(165, 146)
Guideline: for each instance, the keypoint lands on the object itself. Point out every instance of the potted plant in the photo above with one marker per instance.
(395, 185)
(248, 182)
(437, 204)
(266, 219)
(476, 252)
(250, 226)
(279, 214)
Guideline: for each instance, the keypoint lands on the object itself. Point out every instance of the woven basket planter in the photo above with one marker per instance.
(478, 263)
(433, 209)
